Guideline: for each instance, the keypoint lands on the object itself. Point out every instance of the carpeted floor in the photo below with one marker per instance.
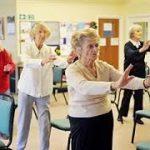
(58, 139)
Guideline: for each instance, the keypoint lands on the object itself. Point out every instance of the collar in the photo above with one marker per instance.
(36, 50)
(84, 69)
(136, 44)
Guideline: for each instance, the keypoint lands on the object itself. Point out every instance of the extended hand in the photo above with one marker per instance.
(145, 46)
(7, 68)
(124, 79)
(51, 57)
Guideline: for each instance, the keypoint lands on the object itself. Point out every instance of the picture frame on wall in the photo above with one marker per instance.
(11, 25)
(2, 36)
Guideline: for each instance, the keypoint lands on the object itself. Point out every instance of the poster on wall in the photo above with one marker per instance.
(54, 28)
(11, 25)
(1, 28)
(66, 31)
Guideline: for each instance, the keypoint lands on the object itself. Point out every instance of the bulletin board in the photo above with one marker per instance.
(66, 31)
(25, 27)
(54, 27)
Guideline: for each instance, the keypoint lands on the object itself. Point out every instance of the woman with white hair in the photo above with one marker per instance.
(35, 86)
(89, 82)
(134, 52)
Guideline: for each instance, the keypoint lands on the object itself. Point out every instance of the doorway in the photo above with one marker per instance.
(144, 21)
(109, 41)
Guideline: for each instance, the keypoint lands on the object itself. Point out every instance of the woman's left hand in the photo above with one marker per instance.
(7, 68)
(124, 79)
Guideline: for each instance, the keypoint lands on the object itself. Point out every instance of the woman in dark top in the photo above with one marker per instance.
(134, 52)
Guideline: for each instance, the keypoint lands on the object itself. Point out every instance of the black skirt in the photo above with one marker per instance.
(95, 133)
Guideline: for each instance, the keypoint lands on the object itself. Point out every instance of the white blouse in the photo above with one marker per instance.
(36, 80)
(88, 94)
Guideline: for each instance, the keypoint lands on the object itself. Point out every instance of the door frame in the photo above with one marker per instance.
(120, 50)
(139, 18)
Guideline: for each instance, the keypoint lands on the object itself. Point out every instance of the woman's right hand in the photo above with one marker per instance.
(145, 46)
(124, 79)
(50, 58)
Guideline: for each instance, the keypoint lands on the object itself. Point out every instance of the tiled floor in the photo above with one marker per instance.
(58, 139)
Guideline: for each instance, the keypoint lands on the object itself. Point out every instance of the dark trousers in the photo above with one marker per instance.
(95, 133)
(138, 101)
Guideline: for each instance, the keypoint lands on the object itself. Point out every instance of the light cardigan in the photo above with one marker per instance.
(37, 80)
(88, 94)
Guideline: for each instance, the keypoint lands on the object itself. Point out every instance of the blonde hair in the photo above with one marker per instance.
(37, 26)
(79, 36)
(133, 28)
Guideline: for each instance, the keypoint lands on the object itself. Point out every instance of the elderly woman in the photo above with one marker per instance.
(89, 81)
(7, 67)
(134, 52)
(35, 86)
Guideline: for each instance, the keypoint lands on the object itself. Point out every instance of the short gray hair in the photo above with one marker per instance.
(79, 36)
(37, 26)
(133, 28)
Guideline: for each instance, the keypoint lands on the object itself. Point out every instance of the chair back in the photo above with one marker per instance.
(7, 110)
(57, 75)
(59, 85)
(63, 125)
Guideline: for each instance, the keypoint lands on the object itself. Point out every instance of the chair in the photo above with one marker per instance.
(59, 85)
(143, 146)
(113, 101)
(35, 113)
(7, 111)
(60, 124)
(147, 70)
(147, 91)
(64, 125)
(141, 114)
(119, 94)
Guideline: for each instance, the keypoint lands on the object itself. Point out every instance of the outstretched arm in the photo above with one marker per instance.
(124, 79)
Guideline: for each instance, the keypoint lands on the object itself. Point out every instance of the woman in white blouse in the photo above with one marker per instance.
(89, 81)
(35, 86)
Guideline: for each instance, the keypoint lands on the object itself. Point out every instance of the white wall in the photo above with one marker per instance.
(69, 11)
(66, 11)
(8, 8)
(74, 11)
